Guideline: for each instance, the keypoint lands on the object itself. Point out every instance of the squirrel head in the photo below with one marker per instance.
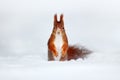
(58, 25)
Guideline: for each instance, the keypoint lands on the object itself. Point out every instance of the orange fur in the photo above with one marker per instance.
(67, 52)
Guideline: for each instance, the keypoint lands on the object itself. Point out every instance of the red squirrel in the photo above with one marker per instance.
(58, 47)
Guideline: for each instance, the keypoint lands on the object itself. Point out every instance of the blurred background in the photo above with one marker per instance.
(25, 25)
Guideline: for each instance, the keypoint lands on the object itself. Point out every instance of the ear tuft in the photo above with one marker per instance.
(61, 17)
(55, 18)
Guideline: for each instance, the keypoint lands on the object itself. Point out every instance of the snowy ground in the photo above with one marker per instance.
(25, 26)
(61, 71)
(98, 66)
(64, 71)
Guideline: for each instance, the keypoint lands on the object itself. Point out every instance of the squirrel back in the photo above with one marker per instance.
(58, 48)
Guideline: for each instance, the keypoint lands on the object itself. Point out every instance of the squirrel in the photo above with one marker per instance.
(58, 47)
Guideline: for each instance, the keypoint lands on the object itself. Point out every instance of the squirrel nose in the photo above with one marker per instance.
(58, 32)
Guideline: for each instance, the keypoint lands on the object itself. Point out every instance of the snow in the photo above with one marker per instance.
(25, 26)
(61, 71)
(98, 66)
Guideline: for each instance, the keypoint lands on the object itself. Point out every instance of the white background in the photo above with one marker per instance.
(25, 26)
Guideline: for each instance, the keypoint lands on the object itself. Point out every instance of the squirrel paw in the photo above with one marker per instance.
(63, 53)
(55, 54)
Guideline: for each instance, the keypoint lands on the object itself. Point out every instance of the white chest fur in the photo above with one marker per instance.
(58, 44)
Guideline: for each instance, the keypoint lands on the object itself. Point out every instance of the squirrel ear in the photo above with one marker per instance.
(61, 17)
(55, 18)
